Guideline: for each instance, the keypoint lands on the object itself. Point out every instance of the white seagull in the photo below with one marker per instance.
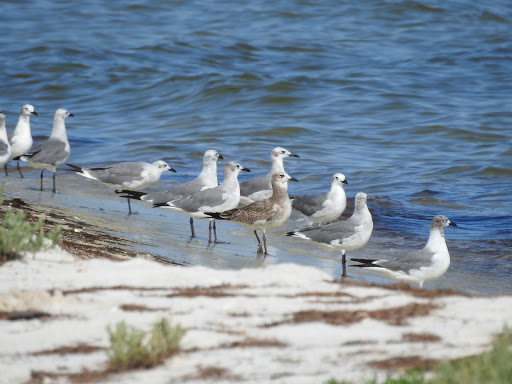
(21, 139)
(5, 148)
(128, 175)
(221, 198)
(345, 235)
(324, 207)
(265, 214)
(427, 264)
(206, 179)
(49, 154)
(260, 188)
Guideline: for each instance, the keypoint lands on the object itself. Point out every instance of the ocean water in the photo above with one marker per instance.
(411, 100)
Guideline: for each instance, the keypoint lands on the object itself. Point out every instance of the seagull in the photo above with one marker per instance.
(346, 235)
(259, 188)
(221, 198)
(324, 207)
(427, 264)
(128, 175)
(21, 139)
(265, 214)
(206, 179)
(49, 154)
(5, 148)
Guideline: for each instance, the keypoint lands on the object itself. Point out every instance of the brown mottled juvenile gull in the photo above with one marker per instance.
(426, 264)
(223, 197)
(266, 214)
(324, 207)
(21, 139)
(260, 188)
(206, 179)
(345, 235)
(128, 175)
(51, 153)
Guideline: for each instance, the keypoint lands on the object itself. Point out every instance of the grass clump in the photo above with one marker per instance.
(18, 235)
(493, 367)
(132, 348)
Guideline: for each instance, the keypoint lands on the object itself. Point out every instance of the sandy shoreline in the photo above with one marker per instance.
(281, 323)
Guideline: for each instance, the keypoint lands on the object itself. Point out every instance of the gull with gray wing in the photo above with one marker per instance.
(426, 264)
(346, 235)
(265, 214)
(128, 175)
(324, 207)
(51, 153)
(21, 139)
(221, 198)
(260, 188)
(206, 179)
(5, 148)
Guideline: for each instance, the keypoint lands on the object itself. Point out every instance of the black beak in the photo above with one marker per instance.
(71, 114)
(293, 178)
(172, 170)
(35, 113)
(294, 155)
(246, 169)
(221, 157)
(452, 224)
(345, 182)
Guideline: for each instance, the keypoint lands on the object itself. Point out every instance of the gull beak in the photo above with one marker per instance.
(220, 157)
(290, 178)
(71, 115)
(344, 182)
(294, 155)
(452, 224)
(35, 113)
(172, 170)
(246, 169)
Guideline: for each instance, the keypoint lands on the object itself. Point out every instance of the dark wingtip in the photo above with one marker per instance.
(157, 205)
(290, 233)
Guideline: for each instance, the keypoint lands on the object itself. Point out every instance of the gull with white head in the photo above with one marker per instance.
(21, 139)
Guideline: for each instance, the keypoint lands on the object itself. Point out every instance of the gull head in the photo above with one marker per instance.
(163, 166)
(338, 178)
(62, 113)
(28, 110)
(441, 222)
(234, 168)
(281, 179)
(2, 119)
(280, 152)
(361, 199)
(211, 156)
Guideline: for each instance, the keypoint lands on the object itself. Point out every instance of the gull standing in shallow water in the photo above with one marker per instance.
(346, 235)
(5, 148)
(324, 207)
(265, 214)
(206, 179)
(51, 153)
(126, 176)
(221, 198)
(21, 139)
(260, 188)
(427, 264)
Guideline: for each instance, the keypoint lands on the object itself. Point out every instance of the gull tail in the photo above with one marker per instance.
(131, 194)
(364, 263)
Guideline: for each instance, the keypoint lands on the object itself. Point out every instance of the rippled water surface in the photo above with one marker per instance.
(411, 100)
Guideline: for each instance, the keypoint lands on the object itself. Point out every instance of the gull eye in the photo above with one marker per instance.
(283, 152)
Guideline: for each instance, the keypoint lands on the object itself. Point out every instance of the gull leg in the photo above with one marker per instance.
(344, 263)
(129, 207)
(41, 179)
(54, 189)
(260, 246)
(210, 232)
(5, 169)
(215, 232)
(192, 228)
(19, 170)
(265, 242)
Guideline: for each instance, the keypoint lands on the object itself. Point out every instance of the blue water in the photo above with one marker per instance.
(411, 100)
